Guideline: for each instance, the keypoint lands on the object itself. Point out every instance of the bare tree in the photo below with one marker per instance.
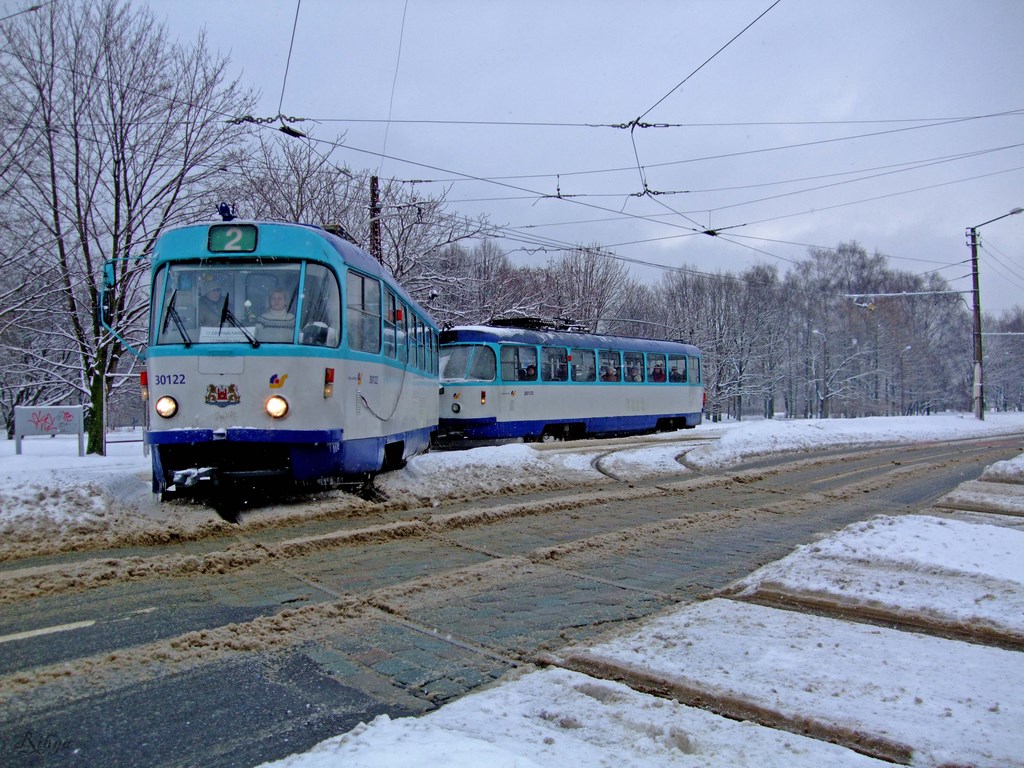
(584, 285)
(294, 179)
(479, 283)
(126, 137)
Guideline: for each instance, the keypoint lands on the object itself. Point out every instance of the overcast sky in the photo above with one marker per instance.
(894, 123)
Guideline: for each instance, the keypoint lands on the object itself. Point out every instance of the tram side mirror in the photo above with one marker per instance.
(106, 303)
(106, 308)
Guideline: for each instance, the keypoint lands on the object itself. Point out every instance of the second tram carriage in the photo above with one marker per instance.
(281, 351)
(508, 383)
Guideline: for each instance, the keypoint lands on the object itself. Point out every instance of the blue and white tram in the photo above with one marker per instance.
(281, 351)
(505, 383)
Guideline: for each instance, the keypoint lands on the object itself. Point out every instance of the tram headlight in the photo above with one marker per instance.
(166, 406)
(277, 407)
(456, 407)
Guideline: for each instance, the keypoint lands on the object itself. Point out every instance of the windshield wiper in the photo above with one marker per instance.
(172, 314)
(227, 314)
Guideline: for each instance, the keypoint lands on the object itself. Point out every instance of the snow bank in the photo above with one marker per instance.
(902, 694)
(558, 718)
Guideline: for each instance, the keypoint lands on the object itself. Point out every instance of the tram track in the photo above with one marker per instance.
(264, 545)
(414, 607)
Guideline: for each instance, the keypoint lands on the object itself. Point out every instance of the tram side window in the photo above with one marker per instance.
(402, 331)
(677, 368)
(482, 367)
(554, 364)
(414, 342)
(363, 313)
(470, 362)
(583, 365)
(390, 325)
(634, 366)
(421, 337)
(611, 365)
(655, 367)
(321, 307)
(518, 363)
(694, 367)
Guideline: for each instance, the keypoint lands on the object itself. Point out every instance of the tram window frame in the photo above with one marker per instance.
(319, 306)
(656, 362)
(402, 330)
(363, 311)
(391, 310)
(554, 364)
(694, 370)
(514, 359)
(422, 336)
(581, 361)
(676, 369)
(414, 342)
(475, 362)
(610, 358)
(484, 364)
(634, 360)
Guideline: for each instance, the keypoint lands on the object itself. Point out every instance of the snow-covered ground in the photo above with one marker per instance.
(774, 685)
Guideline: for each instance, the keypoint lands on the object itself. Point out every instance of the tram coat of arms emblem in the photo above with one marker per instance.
(223, 396)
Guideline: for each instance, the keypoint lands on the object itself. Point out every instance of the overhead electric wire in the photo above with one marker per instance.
(668, 163)
(818, 187)
(620, 126)
(633, 123)
(288, 61)
(885, 196)
(1007, 271)
(689, 230)
(30, 9)
(394, 81)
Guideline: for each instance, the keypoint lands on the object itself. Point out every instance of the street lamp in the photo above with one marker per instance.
(978, 391)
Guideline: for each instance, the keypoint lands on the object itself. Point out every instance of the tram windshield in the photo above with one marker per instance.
(247, 303)
(467, 362)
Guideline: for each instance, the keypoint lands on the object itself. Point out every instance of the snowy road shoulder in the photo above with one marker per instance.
(1002, 497)
(871, 688)
(558, 718)
(943, 574)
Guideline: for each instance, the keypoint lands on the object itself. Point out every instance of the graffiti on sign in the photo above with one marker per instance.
(53, 422)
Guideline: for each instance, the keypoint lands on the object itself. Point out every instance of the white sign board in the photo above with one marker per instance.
(49, 420)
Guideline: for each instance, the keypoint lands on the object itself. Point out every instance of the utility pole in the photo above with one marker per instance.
(375, 249)
(978, 391)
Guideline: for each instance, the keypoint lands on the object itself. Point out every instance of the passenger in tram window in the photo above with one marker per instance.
(635, 375)
(531, 373)
(607, 374)
(675, 375)
(657, 372)
(278, 309)
(211, 303)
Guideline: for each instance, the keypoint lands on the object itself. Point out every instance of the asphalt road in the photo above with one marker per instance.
(239, 650)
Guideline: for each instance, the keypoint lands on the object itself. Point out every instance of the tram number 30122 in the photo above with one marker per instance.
(169, 378)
